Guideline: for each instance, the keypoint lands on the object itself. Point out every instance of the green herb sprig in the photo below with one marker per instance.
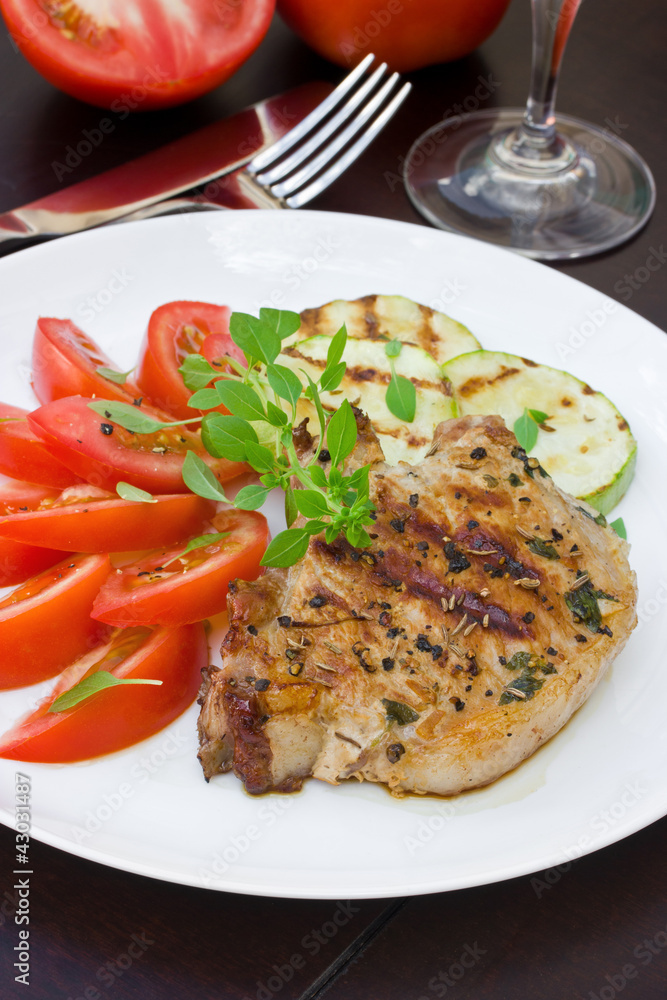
(126, 491)
(526, 427)
(262, 400)
(261, 397)
(619, 527)
(401, 395)
(91, 685)
(120, 378)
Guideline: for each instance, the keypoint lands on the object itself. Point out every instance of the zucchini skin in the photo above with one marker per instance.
(587, 448)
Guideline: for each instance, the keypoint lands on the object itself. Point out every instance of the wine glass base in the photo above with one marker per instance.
(596, 194)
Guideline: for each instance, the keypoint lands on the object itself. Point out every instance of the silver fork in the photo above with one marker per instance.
(298, 167)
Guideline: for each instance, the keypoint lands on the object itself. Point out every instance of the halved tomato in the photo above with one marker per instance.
(46, 623)
(65, 362)
(174, 331)
(19, 561)
(85, 519)
(168, 588)
(116, 717)
(23, 455)
(103, 453)
(136, 54)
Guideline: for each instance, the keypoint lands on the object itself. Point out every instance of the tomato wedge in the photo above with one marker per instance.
(216, 346)
(85, 519)
(65, 362)
(18, 561)
(188, 588)
(104, 453)
(176, 330)
(116, 717)
(46, 623)
(23, 455)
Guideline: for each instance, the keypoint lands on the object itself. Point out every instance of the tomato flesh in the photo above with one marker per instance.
(19, 560)
(81, 440)
(117, 717)
(176, 330)
(161, 589)
(137, 54)
(83, 519)
(46, 623)
(23, 455)
(65, 362)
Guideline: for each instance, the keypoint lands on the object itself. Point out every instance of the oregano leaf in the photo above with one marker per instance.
(197, 372)
(200, 479)
(393, 348)
(120, 378)
(291, 511)
(251, 497)
(224, 436)
(255, 337)
(241, 400)
(128, 492)
(90, 685)
(286, 548)
(128, 416)
(401, 397)
(336, 347)
(332, 377)
(285, 383)
(525, 431)
(619, 527)
(310, 503)
(341, 433)
(283, 322)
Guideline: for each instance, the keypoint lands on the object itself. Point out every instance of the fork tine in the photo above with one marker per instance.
(268, 156)
(318, 138)
(297, 180)
(327, 178)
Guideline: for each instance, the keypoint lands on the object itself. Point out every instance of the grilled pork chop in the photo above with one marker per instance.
(483, 615)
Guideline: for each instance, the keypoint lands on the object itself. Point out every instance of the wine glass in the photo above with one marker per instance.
(547, 186)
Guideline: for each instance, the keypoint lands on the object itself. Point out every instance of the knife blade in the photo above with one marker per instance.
(185, 163)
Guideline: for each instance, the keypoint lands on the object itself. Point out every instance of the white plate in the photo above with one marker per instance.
(148, 809)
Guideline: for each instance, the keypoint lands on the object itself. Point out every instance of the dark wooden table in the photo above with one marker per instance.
(592, 931)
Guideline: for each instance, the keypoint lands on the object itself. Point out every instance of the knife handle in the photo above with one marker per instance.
(12, 227)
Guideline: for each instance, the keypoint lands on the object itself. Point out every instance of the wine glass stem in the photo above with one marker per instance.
(552, 20)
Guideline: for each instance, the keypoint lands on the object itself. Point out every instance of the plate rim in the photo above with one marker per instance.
(447, 882)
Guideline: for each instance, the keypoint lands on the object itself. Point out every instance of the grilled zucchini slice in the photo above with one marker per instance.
(392, 317)
(365, 384)
(589, 452)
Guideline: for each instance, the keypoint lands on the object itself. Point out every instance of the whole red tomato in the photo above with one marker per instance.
(132, 55)
(407, 34)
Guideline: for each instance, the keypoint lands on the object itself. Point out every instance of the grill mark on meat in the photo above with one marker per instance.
(396, 569)
(252, 751)
(481, 541)
(421, 583)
